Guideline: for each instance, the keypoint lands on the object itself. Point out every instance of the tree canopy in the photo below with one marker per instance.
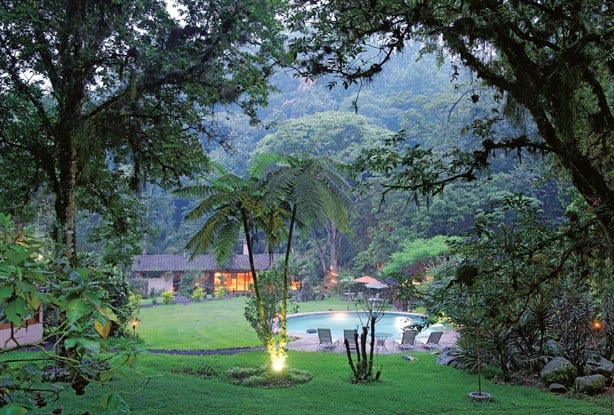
(98, 97)
(550, 62)
(415, 252)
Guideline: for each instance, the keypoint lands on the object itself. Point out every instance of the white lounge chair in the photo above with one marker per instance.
(408, 341)
(326, 339)
(433, 340)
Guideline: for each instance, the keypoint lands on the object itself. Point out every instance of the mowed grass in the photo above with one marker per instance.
(168, 383)
(212, 324)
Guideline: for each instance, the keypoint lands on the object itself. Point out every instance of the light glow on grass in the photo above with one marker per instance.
(279, 363)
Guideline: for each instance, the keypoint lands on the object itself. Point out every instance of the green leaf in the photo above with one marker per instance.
(5, 292)
(71, 342)
(25, 287)
(108, 313)
(112, 403)
(82, 342)
(77, 309)
(91, 346)
(6, 270)
(34, 301)
(13, 409)
(16, 311)
(92, 298)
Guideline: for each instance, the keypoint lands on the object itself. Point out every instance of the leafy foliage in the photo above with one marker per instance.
(102, 97)
(545, 59)
(167, 296)
(271, 293)
(518, 283)
(414, 252)
(79, 332)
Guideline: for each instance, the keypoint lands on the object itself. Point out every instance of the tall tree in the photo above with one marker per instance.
(552, 60)
(310, 193)
(280, 193)
(99, 92)
(231, 205)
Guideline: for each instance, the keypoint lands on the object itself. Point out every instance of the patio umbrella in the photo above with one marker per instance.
(376, 285)
(366, 280)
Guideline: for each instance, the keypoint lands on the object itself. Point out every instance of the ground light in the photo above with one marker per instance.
(278, 364)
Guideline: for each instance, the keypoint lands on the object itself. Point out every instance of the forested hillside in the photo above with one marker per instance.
(424, 99)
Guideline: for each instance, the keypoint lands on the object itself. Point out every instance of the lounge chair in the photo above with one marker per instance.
(433, 340)
(408, 341)
(349, 335)
(326, 339)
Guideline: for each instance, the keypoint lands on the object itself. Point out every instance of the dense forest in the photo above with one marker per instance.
(417, 96)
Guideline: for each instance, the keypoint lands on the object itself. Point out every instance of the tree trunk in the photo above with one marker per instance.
(332, 243)
(284, 297)
(65, 203)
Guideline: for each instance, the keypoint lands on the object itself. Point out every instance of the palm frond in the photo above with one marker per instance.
(200, 190)
(227, 236)
(204, 237)
(263, 163)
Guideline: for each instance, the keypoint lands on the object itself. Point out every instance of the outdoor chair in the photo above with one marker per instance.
(326, 339)
(408, 341)
(433, 340)
(349, 335)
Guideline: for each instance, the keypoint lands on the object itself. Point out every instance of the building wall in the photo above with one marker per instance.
(159, 284)
(32, 334)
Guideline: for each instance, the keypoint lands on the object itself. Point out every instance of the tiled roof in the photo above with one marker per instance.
(163, 263)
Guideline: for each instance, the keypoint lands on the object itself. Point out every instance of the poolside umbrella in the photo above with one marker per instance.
(366, 280)
(376, 285)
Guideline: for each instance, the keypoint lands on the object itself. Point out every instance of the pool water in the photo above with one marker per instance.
(392, 323)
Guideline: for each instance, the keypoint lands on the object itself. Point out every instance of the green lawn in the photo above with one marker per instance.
(214, 324)
(417, 387)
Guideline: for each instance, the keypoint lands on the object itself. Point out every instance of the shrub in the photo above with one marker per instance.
(264, 378)
(84, 310)
(220, 291)
(187, 283)
(198, 294)
(167, 296)
(114, 282)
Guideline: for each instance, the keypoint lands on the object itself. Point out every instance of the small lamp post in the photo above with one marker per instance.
(134, 323)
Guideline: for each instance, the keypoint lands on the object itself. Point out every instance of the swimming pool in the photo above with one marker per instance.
(392, 323)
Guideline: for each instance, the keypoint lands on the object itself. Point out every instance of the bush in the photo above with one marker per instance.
(187, 283)
(134, 300)
(262, 377)
(167, 296)
(198, 294)
(220, 291)
(85, 303)
(114, 282)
